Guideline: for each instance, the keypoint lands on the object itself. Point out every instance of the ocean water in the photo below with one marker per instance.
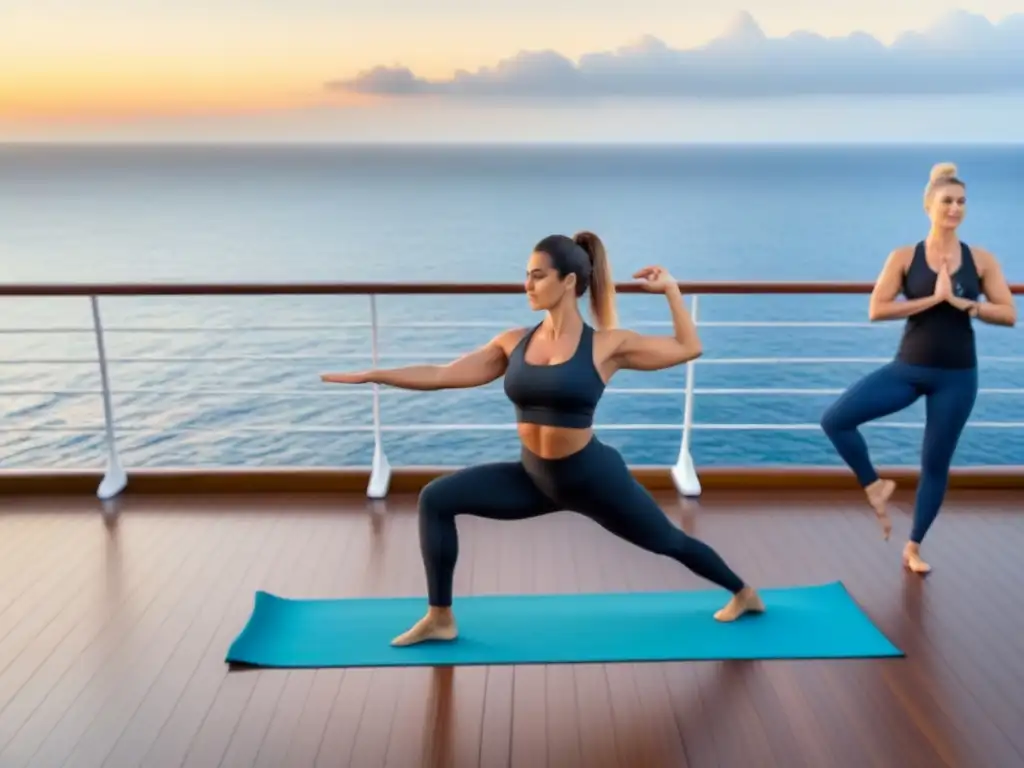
(235, 381)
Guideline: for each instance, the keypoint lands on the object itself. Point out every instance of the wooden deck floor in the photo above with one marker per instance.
(112, 638)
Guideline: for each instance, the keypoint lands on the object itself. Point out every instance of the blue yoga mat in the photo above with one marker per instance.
(816, 622)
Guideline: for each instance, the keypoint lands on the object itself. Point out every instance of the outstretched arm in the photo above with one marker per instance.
(639, 352)
(884, 304)
(475, 369)
(1000, 308)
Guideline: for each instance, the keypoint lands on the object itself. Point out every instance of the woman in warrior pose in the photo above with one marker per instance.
(942, 280)
(555, 374)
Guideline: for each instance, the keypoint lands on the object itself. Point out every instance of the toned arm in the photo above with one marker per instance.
(479, 367)
(641, 352)
(1000, 309)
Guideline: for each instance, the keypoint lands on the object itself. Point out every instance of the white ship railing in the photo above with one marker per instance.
(684, 473)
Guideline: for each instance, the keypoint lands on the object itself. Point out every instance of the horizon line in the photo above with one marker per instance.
(461, 143)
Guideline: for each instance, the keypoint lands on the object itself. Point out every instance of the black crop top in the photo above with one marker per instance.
(560, 395)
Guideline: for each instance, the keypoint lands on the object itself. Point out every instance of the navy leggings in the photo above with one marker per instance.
(950, 394)
(593, 481)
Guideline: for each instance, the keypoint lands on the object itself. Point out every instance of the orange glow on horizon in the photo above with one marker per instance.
(126, 68)
(71, 103)
(162, 84)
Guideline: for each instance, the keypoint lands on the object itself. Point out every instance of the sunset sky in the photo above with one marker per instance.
(253, 69)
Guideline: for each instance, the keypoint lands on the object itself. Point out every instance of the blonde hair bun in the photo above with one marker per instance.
(943, 171)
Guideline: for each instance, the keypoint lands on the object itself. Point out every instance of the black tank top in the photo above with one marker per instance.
(941, 336)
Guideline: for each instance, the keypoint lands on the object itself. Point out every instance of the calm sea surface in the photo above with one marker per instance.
(234, 381)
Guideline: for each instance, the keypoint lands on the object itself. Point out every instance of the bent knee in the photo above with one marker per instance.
(434, 497)
(443, 495)
(832, 420)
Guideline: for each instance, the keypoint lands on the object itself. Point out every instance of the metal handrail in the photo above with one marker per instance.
(358, 392)
(48, 290)
(448, 356)
(683, 472)
(425, 324)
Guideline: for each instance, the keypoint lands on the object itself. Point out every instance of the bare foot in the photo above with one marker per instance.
(912, 559)
(744, 601)
(879, 493)
(436, 625)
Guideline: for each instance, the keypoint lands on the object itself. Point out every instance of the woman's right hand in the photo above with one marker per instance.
(943, 285)
(359, 377)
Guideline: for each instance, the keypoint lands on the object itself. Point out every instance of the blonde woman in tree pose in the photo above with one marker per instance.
(942, 280)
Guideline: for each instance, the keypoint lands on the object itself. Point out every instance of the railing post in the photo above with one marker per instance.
(684, 474)
(115, 479)
(380, 471)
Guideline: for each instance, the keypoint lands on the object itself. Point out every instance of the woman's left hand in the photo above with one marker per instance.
(655, 279)
(964, 305)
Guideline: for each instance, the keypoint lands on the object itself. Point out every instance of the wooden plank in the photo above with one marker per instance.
(112, 637)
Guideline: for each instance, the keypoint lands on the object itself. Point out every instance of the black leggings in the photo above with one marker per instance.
(593, 481)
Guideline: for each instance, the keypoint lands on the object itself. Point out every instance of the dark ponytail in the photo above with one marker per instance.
(602, 286)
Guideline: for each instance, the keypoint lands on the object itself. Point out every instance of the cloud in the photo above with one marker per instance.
(961, 53)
